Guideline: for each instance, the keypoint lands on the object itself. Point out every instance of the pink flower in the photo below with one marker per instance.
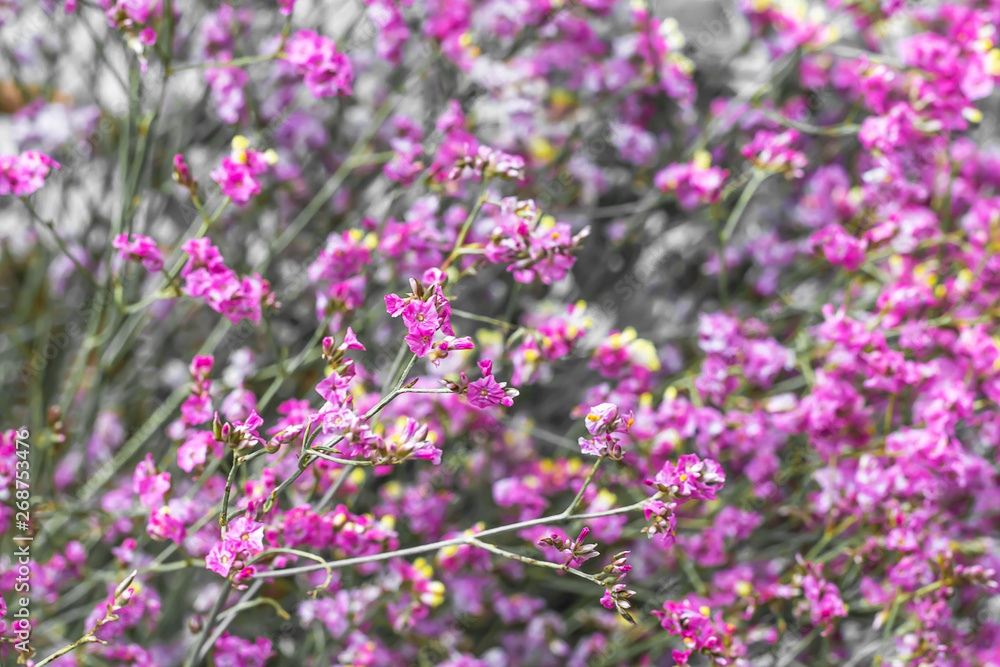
(487, 392)
(206, 276)
(484, 163)
(691, 478)
(237, 174)
(314, 57)
(774, 152)
(142, 249)
(246, 533)
(604, 424)
(533, 246)
(409, 440)
(232, 651)
(221, 558)
(443, 347)
(423, 315)
(890, 131)
(163, 525)
(236, 181)
(825, 603)
(151, 486)
(419, 343)
(694, 183)
(201, 367)
(182, 173)
(662, 518)
(334, 388)
(393, 31)
(244, 433)
(25, 173)
(227, 84)
(194, 452)
(197, 409)
(840, 247)
(601, 416)
(351, 342)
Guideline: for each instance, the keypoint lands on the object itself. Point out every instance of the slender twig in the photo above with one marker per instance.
(236, 62)
(195, 655)
(741, 204)
(455, 541)
(60, 242)
(579, 495)
(466, 226)
(227, 618)
(532, 561)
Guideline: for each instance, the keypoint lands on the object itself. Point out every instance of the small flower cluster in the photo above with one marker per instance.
(700, 632)
(772, 151)
(693, 183)
(406, 146)
(233, 651)
(690, 478)
(486, 163)
(575, 552)
(393, 31)
(141, 249)
(420, 593)
(197, 407)
(348, 430)
(604, 423)
(549, 339)
(532, 245)
(166, 519)
(485, 392)
(617, 594)
(822, 598)
(207, 277)
(831, 339)
(625, 356)
(122, 608)
(408, 440)
(326, 72)
(338, 272)
(425, 311)
(732, 349)
(133, 18)
(237, 175)
(227, 85)
(20, 175)
(338, 530)
(182, 174)
(240, 434)
(242, 539)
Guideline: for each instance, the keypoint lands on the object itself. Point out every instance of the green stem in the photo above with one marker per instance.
(225, 496)
(579, 496)
(195, 656)
(466, 226)
(741, 204)
(506, 326)
(236, 62)
(60, 242)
